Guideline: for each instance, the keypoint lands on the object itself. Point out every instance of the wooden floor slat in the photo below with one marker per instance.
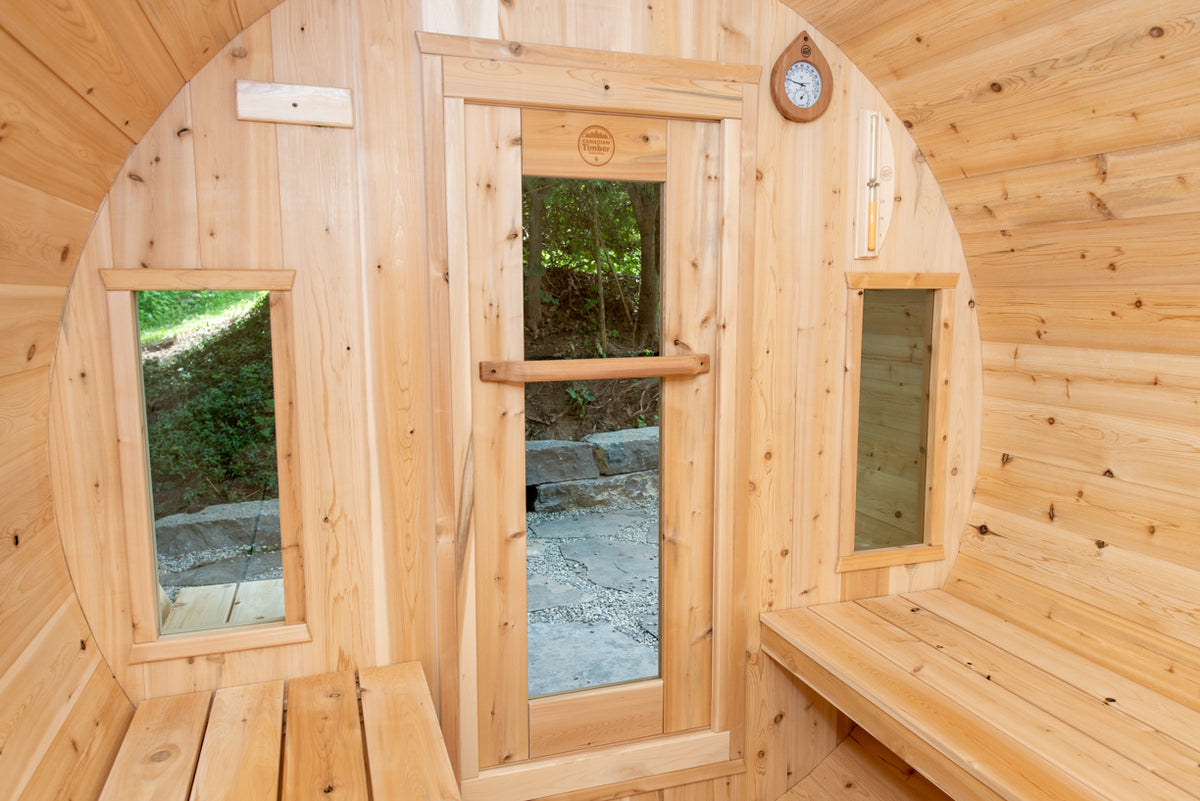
(323, 754)
(159, 753)
(408, 759)
(240, 757)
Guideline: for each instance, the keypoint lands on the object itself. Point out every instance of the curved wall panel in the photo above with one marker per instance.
(1064, 140)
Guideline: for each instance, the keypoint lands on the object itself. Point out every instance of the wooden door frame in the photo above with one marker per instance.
(458, 72)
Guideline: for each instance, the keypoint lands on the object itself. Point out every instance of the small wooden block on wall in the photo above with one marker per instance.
(259, 101)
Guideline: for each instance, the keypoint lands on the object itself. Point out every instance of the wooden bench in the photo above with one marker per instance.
(337, 737)
(987, 707)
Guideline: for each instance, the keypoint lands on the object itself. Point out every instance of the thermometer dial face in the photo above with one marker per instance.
(803, 84)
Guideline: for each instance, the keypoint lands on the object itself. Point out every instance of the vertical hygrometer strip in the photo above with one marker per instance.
(876, 182)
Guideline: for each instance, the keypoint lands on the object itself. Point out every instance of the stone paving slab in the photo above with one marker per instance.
(570, 656)
(628, 566)
(546, 593)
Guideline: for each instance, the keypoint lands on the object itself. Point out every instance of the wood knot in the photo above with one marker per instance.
(1156, 32)
(983, 529)
(779, 718)
(516, 48)
(996, 87)
(160, 756)
(1101, 544)
(239, 52)
(1109, 474)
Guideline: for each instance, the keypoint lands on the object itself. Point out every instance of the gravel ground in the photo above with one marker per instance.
(625, 611)
(171, 565)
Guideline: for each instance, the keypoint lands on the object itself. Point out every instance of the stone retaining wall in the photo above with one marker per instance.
(614, 467)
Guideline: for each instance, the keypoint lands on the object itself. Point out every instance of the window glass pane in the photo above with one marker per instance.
(208, 388)
(592, 544)
(893, 406)
(592, 290)
(592, 252)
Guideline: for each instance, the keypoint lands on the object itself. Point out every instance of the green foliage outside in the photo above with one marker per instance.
(209, 400)
(162, 315)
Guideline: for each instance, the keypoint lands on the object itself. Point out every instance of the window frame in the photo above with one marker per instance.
(935, 480)
(149, 644)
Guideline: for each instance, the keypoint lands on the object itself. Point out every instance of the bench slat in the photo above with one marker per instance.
(323, 755)
(1092, 764)
(1053, 692)
(1167, 666)
(408, 757)
(160, 749)
(951, 745)
(1136, 700)
(240, 757)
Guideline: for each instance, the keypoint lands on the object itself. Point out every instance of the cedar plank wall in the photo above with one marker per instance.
(1067, 142)
(1069, 184)
(248, 195)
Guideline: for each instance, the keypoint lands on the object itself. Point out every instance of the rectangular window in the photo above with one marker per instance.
(591, 290)
(207, 384)
(205, 405)
(898, 360)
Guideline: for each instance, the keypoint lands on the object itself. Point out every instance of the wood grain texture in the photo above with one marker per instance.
(237, 164)
(862, 766)
(41, 236)
(398, 718)
(240, 755)
(395, 284)
(193, 33)
(323, 753)
(690, 281)
(78, 759)
(259, 101)
(321, 239)
(54, 141)
(108, 52)
(154, 197)
(493, 179)
(552, 146)
(158, 756)
(594, 717)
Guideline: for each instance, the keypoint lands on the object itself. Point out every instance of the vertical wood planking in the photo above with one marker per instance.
(311, 45)
(460, 447)
(494, 264)
(237, 167)
(153, 198)
(141, 570)
(690, 283)
(395, 288)
(87, 480)
(450, 542)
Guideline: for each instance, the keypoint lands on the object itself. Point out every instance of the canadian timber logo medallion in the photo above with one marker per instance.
(597, 145)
